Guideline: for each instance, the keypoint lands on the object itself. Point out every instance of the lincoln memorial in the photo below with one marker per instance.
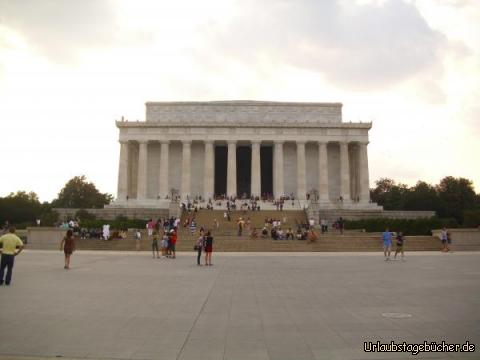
(243, 148)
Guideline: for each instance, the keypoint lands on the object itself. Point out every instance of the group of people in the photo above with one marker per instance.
(387, 238)
(204, 243)
(168, 243)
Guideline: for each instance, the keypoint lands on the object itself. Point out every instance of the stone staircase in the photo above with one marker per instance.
(226, 239)
(227, 243)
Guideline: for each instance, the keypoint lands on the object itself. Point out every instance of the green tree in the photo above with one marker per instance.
(20, 207)
(456, 196)
(79, 193)
(422, 196)
(388, 194)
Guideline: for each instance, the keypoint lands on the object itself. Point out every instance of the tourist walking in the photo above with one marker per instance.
(312, 236)
(387, 243)
(208, 248)
(150, 226)
(172, 243)
(323, 223)
(155, 244)
(199, 246)
(164, 244)
(193, 226)
(341, 225)
(449, 240)
(444, 239)
(138, 237)
(68, 247)
(10, 242)
(400, 243)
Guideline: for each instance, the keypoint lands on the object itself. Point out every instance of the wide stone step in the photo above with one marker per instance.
(228, 244)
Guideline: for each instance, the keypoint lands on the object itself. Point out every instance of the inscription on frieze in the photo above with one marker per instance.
(236, 113)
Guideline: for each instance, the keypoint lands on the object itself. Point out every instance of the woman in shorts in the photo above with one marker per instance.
(68, 247)
(155, 244)
(399, 249)
(208, 248)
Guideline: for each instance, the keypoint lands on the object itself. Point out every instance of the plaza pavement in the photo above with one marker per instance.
(247, 306)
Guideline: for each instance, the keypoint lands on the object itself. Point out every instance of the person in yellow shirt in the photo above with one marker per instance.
(9, 244)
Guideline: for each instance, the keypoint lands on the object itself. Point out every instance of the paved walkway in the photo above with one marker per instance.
(246, 306)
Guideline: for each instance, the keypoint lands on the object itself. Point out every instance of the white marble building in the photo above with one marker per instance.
(243, 147)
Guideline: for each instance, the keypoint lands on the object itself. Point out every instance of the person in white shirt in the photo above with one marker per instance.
(106, 231)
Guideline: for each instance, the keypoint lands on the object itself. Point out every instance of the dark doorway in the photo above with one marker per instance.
(244, 170)
(220, 170)
(266, 164)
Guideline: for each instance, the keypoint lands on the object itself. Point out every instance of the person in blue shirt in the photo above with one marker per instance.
(387, 243)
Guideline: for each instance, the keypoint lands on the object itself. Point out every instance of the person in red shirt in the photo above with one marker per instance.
(173, 242)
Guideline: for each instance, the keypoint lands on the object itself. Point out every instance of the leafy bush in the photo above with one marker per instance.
(471, 218)
(408, 227)
(119, 223)
(49, 218)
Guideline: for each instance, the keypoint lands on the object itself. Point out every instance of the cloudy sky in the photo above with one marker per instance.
(68, 69)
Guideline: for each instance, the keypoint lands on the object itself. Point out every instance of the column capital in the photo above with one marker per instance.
(255, 142)
(323, 142)
(165, 142)
(143, 142)
(186, 142)
(278, 142)
(343, 143)
(300, 142)
(209, 142)
(232, 142)
(363, 143)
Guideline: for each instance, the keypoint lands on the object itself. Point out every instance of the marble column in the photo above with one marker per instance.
(186, 168)
(256, 170)
(163, 189)
(209, 170)
(142, 170)
(232, 168)
(344, 172)
(323, 192)
(278, 170)
(301, 171)
(122, 188)
(364, 177)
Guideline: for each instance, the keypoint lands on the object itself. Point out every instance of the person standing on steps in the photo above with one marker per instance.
(208, 248)
(68, 247)
(387, 243)
(10, 242)
(138, 237)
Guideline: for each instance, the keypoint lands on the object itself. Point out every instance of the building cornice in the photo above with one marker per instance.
(147, 125)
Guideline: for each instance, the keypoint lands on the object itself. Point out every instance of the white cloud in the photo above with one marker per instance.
(367, 46)
(415, 74)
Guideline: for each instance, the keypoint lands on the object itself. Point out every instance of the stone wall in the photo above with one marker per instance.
(47, 238)
(111, 213)
(350, 214)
